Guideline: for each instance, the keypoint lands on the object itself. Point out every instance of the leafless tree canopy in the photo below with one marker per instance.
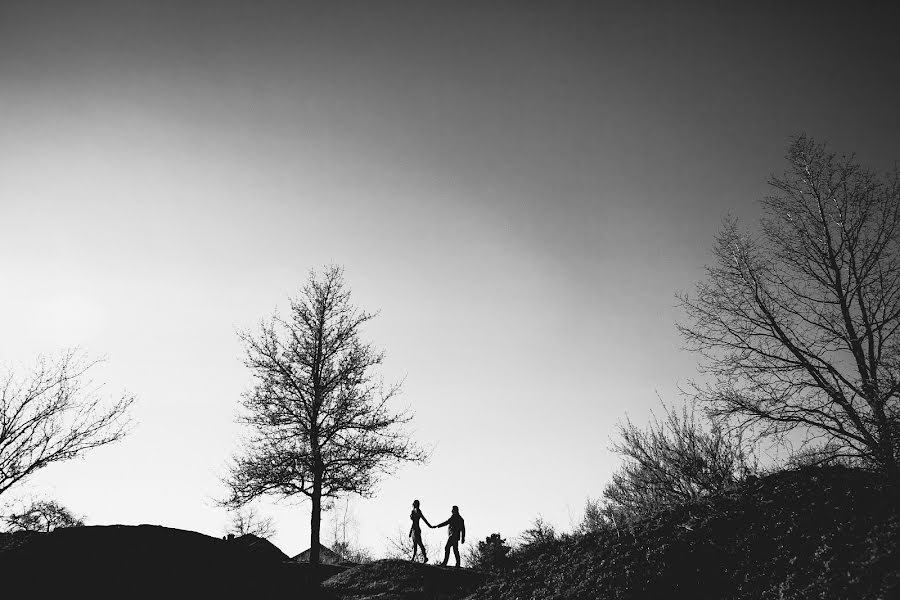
(319, 417)
(799, 325)
(54, 413)
(43, 515)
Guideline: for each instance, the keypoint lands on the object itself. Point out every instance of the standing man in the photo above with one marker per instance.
(457, 534)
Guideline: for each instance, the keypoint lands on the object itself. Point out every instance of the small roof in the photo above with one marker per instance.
(326, 555)
(260, 547)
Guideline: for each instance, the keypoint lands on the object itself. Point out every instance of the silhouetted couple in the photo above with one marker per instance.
(456, 528)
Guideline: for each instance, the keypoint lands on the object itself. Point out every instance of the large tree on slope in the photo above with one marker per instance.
(800, 326)
(320, 420)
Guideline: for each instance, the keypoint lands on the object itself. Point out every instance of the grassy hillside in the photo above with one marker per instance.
(816, 533)
(401, 579)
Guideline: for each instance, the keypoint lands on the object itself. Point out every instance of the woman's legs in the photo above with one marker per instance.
(417, 543)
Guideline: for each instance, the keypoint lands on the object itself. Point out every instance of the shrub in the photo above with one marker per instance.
(489, 555)
(352, 553)
(540, 532)
(673, 461)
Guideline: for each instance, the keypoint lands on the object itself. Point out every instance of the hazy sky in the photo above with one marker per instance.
(519, 188)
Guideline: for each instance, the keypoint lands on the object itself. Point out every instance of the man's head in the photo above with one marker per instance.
(455, 510)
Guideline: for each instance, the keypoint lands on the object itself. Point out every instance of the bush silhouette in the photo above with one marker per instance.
(490, 555)
(673, 461)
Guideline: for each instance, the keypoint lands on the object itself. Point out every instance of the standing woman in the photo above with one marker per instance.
(415, 532)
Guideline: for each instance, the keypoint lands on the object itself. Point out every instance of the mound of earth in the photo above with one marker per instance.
(403, 580)
(815, 533)
(262, 548)
(145, 561)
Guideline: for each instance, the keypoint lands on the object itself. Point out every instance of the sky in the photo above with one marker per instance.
(519, 188)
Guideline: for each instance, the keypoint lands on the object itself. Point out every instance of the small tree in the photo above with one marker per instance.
(594, 518)
(246, 521)
(52, 414)
(540, 532)
(320, 422)
(43, 515)
(800, 327)
(673, 461)
(489, 555)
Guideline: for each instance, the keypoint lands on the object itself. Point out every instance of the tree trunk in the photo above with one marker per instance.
(315, 521)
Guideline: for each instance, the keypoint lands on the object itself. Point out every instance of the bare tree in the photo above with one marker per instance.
(345, 528)
(343, 524)
(799, 326)
(320, 421)
(43, 515)
(246, 521)
(346, 535)
(52, 414)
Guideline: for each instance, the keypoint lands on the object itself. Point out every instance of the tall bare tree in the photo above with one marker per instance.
(320, 421)
(54, 413)
(799, 325)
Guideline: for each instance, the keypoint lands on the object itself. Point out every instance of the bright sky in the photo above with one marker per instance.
(520, 189)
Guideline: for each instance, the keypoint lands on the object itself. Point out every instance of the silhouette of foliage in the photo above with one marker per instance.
(594, 518)
(674, 460)
(799, 327)
(540, 532)
(319, 419)
(42, 515)
(489, 555)
(52, 414)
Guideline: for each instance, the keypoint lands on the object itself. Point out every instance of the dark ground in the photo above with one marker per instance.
(120, 561)
(403, 580)
(816, 533)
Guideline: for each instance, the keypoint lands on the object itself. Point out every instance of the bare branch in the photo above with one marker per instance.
(52, 414)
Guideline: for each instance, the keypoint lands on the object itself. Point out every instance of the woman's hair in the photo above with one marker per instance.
(416, 503)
